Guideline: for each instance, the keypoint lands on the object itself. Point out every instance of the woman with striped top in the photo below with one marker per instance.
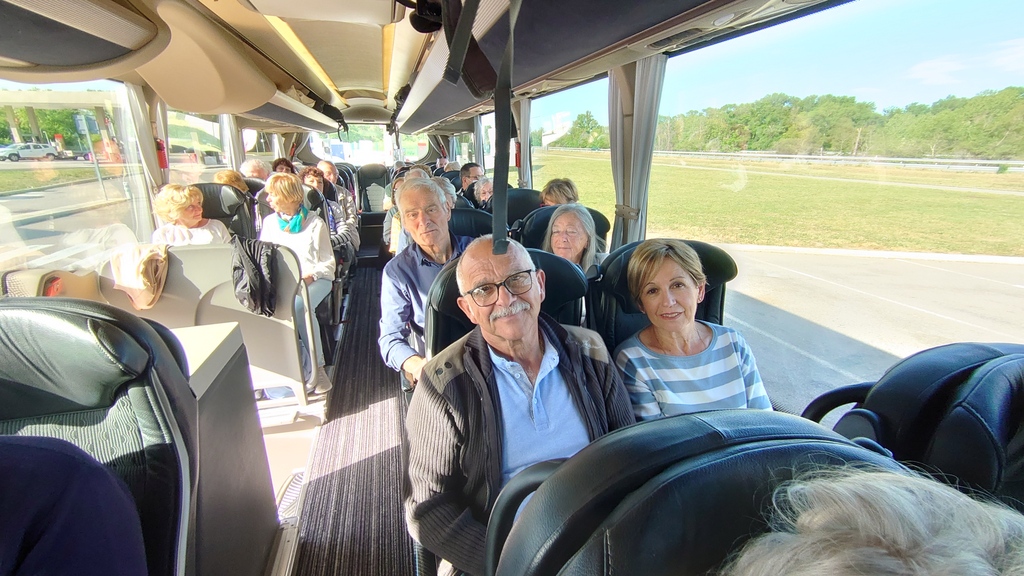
(678, 364)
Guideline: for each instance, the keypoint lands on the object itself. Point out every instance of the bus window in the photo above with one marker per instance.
(72, 184)
(195, 150)
(415, 147)
(362, 144)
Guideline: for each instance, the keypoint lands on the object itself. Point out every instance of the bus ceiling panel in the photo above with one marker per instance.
(350, 54)
(203, 69)
(379, 12)
(84, 40)
(366, 112)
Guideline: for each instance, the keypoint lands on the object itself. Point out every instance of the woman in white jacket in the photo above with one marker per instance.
(291, 225)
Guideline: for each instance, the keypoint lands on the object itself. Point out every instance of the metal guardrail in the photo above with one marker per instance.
(932, 163)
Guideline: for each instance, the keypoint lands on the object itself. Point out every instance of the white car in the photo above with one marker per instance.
(32, 151)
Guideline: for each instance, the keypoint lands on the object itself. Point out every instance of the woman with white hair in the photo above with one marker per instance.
(853, 522)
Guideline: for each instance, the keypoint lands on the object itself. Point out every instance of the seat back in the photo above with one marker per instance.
(371, 197)
(469, 222)
(255, 185)
(106, 381)
(233, 207)
(669, 496)
(199, 290)
(535, 227)
(446, 322)
(613, 313)
(455, 177)
(521, 201)
(955, 410)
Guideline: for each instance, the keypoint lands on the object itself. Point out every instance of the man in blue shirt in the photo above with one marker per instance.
(407, 277)
(520, 388)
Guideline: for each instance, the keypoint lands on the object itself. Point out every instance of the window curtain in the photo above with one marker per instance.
(231, 140)
(478, 141)
(522, 108)
(634, 95)
(139, 111)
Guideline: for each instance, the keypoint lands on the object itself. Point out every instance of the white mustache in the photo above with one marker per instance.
(516, 307)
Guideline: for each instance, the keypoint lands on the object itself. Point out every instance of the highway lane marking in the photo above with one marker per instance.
(975, 276)
(854, 378)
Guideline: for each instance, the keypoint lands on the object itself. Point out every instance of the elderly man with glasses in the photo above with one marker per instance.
(519, 389)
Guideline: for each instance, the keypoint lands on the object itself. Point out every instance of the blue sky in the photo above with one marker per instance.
(890, 52)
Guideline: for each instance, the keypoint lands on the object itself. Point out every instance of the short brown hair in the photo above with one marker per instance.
(560, 191)
(649, 256)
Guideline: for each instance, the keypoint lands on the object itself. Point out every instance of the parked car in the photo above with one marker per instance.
(32, 151)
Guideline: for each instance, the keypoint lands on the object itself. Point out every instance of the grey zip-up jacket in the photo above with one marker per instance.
(455, 435)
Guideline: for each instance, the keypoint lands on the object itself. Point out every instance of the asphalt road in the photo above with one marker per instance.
(819, 319)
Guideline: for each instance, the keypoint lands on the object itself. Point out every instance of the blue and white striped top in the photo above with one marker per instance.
(721, 377)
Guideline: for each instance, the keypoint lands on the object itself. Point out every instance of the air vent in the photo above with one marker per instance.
(676, 39)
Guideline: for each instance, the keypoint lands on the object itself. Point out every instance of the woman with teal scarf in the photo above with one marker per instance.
(291, 225)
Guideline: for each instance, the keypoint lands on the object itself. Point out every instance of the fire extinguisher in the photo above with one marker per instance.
(161, 154)
(519, 152)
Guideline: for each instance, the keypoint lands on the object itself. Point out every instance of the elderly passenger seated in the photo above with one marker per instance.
(343, 230)
(678, 364)
(571, 234)
(853, 522)
(483, 190)
(291, 225)
(181, 207)
(559, 191)
(255, 168)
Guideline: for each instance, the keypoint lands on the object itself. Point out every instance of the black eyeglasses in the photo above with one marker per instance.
(516, 284)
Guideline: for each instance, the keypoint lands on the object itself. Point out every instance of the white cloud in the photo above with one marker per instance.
(1009, 57)
(938, 71)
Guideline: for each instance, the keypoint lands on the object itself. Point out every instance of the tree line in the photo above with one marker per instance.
(987, 126)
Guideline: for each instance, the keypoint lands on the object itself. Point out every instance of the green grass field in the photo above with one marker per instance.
(821, 206)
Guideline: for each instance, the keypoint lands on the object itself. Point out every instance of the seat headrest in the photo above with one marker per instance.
(372, 172)
(669, 496)
(979, 439)
(521, 201)
(254, 185)
(469, 222)
(912, 395)
(535, 226)
(220, 200)
(718, 266)
(312, 199)
(60, 360)
(564, 281)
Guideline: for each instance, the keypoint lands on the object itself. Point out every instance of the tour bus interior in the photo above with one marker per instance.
(172, 91)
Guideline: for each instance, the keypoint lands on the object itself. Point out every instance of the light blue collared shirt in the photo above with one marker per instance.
(541, 421)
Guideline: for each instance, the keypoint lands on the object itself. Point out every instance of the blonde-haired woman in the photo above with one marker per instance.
(181, 207)
(291, 225)
(233, 179)
(678, 364)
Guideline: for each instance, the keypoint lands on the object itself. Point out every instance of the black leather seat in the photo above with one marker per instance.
(455, 177)
(955, 410)
(254, 185)
(535, 226)
(115, 386)
(670, 496)
(233, 207)
(368, 175)
(521, 201)
(469, 222)
(446, 323)
(613, 313)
